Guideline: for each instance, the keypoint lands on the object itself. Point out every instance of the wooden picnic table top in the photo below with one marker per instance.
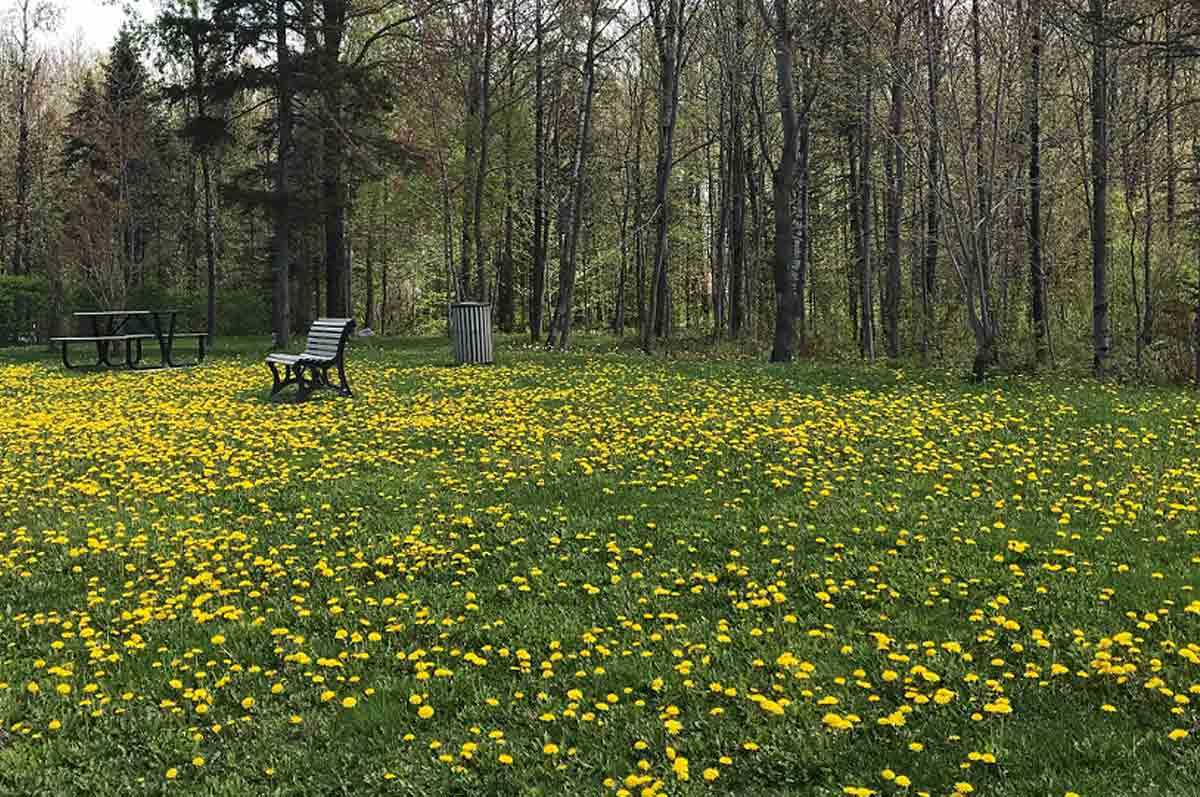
(91, 313)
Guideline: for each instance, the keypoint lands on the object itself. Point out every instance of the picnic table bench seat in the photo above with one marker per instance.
(102, 342)
(324, 350)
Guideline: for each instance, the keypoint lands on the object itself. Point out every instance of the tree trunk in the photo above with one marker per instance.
(1037, 275)
(369, 309)
(383, 290)
(1146, 330)
(1172, 165)
(537, 262)
(560, 324)
(855, 253)
(983, 320)
(1099, 176)
(24, 77)
(782, 179)
(280, 243)
(718, 204)
(737, 178)
(802, 244)
(504, 276)
(333, 192)
(893, 165)
(639, 238)
(485, 82)
(933, 59)
(866, 272)
(210, 257)
(670, 31)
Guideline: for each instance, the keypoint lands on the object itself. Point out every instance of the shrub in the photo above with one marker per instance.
(23, 306)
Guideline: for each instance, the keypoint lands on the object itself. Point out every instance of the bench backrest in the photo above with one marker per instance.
(327, 338)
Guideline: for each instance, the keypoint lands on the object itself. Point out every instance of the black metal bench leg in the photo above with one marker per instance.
(345, 383)
(279, 383)
(307, 384)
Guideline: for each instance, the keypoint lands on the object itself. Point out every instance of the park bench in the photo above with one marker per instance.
(324, 350)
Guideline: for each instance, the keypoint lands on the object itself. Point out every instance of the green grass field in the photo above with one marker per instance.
(595, 573)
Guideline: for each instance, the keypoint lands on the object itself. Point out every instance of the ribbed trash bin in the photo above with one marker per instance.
(471, 329)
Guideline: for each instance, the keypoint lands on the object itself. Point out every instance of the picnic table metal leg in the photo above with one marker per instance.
(133, 360)
(164, 347)
(66, 358)
(100, 344)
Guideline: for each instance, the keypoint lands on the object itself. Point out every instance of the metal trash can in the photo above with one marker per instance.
(471, 330)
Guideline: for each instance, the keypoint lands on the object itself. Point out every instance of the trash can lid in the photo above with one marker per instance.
(471, 304)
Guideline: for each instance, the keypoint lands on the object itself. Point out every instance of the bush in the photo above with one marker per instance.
(24, 302)
(240, 312)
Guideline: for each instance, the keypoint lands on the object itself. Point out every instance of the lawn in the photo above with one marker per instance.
(596, 573)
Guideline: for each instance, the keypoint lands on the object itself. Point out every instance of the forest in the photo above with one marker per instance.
(983, 183)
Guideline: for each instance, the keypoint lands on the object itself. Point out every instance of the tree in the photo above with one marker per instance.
(1099, 175)
(672, 20)
(281, 216)
(599, 18)
(1037, 274)
(185, 30)
(783, 175)
(31, 18)
(933, 29)
(537, 259)
(893, 167)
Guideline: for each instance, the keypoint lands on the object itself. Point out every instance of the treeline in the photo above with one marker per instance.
(1007, 182)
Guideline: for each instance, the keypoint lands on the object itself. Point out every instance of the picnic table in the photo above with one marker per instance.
(132, 328)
